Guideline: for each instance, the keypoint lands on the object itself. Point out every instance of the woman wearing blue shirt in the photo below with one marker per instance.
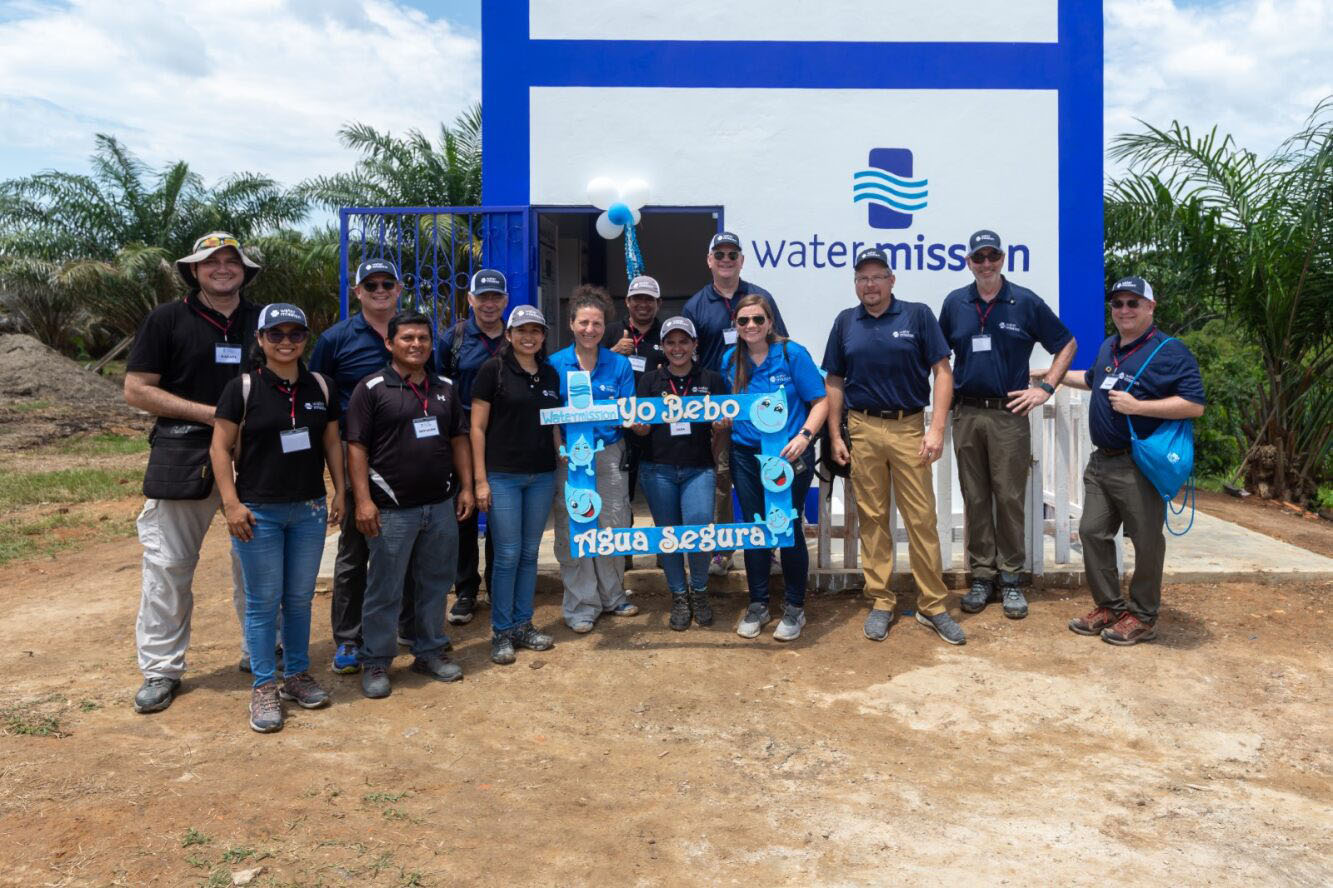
(759, 363)
(594, 586)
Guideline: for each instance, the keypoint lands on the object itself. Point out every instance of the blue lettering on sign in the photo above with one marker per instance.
(817, 252)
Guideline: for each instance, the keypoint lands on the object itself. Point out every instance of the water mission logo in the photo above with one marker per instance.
(889, 189)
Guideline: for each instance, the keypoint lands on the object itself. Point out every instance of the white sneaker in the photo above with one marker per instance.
(755, 618)
(789, 628)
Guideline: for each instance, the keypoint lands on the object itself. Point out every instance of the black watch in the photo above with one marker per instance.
(1046, 387)
(805, 433)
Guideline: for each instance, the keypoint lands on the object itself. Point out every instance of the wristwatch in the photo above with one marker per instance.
(805, 433)
(1046, 387)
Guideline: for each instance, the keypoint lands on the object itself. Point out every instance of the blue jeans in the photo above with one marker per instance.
(519, 506)
(424, 540)
(280, 564)
(795, 558)
(680, 495)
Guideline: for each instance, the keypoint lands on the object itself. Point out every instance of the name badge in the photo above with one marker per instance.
(981, 343)
(680, 428)
(226, 354)
(295, 440)
(1109, 383)
(638, 363)
(426, 427)
(729, 336)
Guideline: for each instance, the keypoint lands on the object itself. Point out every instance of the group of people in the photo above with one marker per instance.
(421, 430)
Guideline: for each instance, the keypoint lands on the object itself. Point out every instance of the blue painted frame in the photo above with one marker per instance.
(512, 63)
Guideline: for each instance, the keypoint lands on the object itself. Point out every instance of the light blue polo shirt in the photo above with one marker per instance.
(612, 378)
(794, 372)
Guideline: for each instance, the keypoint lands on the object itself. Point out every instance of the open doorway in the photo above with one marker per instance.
(673, 240)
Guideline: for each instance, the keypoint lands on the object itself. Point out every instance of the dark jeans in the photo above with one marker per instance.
(349, 583)
(1116, 494)
(421, 541)
(795, 558)
(468, 583)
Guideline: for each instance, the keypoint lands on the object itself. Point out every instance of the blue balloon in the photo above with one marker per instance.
(620, 214)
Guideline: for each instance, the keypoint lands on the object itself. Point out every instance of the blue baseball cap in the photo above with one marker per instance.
(871, 254)
(488, 280)
(982, 240)
(725, 239)
(376, 266)
(279, 313)
(1133, 284)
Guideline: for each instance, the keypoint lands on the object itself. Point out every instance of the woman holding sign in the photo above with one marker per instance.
(676, 471)
(762, 362)
(594, 586)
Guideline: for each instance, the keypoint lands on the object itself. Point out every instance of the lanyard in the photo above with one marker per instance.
(425, 398)
(288, 390)
(989, 309)
(1118, 361)
(491, 349)
(636, 338)
(225, 328)
(671, 382)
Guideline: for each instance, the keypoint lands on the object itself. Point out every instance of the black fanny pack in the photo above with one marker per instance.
(178, 463)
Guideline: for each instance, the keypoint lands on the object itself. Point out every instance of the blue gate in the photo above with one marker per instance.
(436, 250)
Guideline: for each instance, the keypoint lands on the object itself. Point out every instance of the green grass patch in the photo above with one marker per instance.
(27, 406)
(193, 836)
(66, 486)
(380, 798)
(30, 722)
(105, 444)
(236, 855)
(35, 538)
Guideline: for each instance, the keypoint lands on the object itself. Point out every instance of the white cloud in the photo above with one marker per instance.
(1255, 68)
(259, 85)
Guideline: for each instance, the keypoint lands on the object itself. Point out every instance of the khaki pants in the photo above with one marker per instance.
(1116, 493)
(593, 585)
(994, 452)
(886, 455)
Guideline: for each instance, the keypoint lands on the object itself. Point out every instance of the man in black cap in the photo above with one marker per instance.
(992, 326)
(184, 354)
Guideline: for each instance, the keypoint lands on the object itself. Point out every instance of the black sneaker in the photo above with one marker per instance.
(440, 668)
(699, 606)
(527, 636)
(980, 595)
(464, 609)
(265, 708)
(680, 612)
(502, 649)
(156, 694)
(375, 681)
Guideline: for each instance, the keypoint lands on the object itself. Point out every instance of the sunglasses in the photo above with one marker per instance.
(372, 286)
(726, 254)
(980, 258)
(295, 337)
(205, 243)
(1124, 303)
(757, 320)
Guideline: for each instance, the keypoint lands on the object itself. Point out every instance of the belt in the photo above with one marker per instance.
(1107, 451)
(889, 414)
(988, 403)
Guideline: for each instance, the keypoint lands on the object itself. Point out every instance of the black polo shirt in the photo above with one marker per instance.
(1172, 371)
(885, 361)
(406, 469)
(647, 345)
(267, 472)
(713, 316)
(516, 441)
(694, 448)
(1011, 325)
(194, 350)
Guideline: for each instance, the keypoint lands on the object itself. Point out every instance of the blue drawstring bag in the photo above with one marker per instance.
(1166, 457)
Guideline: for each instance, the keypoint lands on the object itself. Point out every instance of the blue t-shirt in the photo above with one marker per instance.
(885, 361)
(1172, 371)
(477, 349)
(1015, 320)
(612, 378)
(788, 367)
(713, 316)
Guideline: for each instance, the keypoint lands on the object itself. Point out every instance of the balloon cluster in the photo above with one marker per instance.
(620, 206)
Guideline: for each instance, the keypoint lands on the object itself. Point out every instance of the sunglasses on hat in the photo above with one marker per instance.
(206, 243)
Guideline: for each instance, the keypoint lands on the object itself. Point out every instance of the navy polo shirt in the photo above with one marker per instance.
(612, 378)
(712, 317)
(348, 352)
(1015, 320)
(477, 349)
(788, 367)
(1172, 371)
(885, 361)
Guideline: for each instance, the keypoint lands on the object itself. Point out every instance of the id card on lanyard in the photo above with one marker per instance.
(425, 426)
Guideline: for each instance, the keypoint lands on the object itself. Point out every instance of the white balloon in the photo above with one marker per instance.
(602, 192)
(635, 193)
(608, 229)
(637, 216)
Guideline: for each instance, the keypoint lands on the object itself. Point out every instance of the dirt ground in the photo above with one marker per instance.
(641, 756)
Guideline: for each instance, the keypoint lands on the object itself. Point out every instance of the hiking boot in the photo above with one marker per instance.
(756, 618)
(345, 661)
(789, 627)
(680, 611)
(156, 694)
(527, 636)
(944, 627)
(624, 609)
(1128, 630)
(1093, 622)
(877, 624)
(304, 691)
(440, 668)
(978, 596)
(502, 649)
(720, 565)
(375, 682)
(699, 606)
(464, 609)
(265, 708)
(1015, 605)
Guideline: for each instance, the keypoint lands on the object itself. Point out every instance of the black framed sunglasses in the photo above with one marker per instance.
(372, 286)
(757, 320)
(1125, 303)
(726, 254)
(295, 337)
(986, 256)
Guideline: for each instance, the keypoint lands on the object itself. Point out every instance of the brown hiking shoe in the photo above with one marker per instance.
(304, 691)
(1129, 629)
(1094, 622)
(266, 708)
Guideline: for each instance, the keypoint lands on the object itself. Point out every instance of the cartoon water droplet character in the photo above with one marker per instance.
(775, 473)
(580, 453)
(582, 503)
(779, 520)
(769, 413)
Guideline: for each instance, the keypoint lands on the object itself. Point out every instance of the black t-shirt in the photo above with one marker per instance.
(516, 441)
(696, 448)
(266, 473)
(411, 458)
(180, 342)
(648, 346)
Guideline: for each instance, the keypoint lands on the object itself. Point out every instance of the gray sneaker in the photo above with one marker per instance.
(265, 708)
(156, 694)
(877, 624)
(944, 626)
(756, 618)
(304, 691)
(375, 682)
(720, 565)
(527, 636)
(1015, 605)
(789, 627)
(438, 667)
(978, 596)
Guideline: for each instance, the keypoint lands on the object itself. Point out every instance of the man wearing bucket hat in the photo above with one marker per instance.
(183, 356)
(638, 338)
(1116, 493)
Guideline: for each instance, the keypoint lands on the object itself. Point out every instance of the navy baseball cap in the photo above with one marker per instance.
(376, 266)
(984, 239)
(279, 313)
(684, 325)
(871, 254)
(724, 239)
(526, 314)
(1133, 284)
(488, 280)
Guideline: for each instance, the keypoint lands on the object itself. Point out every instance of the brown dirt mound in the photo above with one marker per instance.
(30, 370)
